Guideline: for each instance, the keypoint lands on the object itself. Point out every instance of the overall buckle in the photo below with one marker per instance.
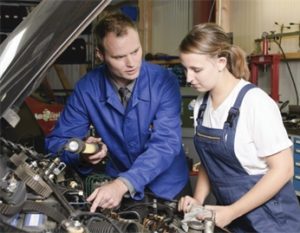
(233, 113)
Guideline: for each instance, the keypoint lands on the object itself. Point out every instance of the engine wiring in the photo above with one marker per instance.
(63, 208)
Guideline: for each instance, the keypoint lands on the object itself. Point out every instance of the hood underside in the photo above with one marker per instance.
(36, 43)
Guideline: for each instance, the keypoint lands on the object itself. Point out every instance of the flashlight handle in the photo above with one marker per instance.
(91, 148)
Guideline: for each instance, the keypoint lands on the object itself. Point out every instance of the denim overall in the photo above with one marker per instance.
(229, 181)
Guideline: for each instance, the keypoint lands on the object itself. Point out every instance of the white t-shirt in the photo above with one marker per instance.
(260, 131)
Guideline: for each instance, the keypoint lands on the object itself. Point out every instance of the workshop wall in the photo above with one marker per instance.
(171, 22)
(250, 18)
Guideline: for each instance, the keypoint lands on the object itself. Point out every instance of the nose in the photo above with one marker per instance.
(189, 76)
(129, 61)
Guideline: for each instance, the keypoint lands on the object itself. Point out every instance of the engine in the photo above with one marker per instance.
(40, 194)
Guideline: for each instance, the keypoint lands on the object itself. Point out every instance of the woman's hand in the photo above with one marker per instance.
(224, 215)
(185, 203)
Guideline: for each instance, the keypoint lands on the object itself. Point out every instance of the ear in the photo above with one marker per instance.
(221, 63)
(99, 55)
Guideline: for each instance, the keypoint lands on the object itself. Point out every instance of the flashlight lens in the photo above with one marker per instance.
(73, 146)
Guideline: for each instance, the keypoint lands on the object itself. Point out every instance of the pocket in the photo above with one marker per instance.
(274, 209)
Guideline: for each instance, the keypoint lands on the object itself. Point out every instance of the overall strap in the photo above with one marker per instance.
(203, 107)
(234, 110)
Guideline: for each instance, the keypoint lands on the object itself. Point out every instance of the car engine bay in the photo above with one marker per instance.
(39, 193)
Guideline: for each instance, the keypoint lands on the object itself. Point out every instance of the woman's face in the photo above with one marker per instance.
(202, 71)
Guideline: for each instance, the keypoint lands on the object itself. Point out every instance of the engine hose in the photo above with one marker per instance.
(60, 197)
(106, 227)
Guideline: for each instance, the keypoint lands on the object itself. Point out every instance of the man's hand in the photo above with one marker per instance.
(95, 158)
(108, 196)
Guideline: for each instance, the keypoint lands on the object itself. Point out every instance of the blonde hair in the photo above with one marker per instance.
(210, 39)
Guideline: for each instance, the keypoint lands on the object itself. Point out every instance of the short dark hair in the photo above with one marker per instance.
(115, 22)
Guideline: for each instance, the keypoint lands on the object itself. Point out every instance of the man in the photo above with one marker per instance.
(141, 128)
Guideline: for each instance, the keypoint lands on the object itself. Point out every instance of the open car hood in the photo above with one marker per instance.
(36, 43)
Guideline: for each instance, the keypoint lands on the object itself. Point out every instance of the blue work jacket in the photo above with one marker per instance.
(143, 139)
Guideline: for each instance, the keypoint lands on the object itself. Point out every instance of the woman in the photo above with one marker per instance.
(245, 152)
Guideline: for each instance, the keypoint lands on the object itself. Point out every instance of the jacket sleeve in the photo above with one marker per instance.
(73, 122)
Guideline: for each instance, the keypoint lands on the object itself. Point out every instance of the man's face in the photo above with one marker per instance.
(123, 55)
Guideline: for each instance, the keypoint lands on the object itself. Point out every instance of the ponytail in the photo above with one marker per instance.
(237, 63)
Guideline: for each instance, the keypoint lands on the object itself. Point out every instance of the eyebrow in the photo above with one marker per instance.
(195, 67)
(134, 51)
(123, 55)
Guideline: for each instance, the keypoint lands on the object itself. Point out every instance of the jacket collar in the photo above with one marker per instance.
(141, 90)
